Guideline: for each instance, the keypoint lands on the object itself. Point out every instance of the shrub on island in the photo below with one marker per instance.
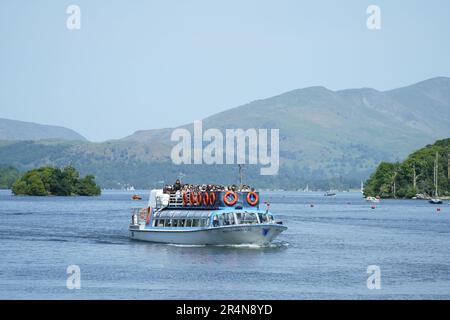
(48, 180)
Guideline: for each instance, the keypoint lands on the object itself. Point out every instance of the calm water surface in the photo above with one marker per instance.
(323, 255)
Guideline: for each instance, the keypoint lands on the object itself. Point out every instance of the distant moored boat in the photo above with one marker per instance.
(373, 199)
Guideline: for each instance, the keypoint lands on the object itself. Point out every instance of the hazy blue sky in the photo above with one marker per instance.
(150, 64)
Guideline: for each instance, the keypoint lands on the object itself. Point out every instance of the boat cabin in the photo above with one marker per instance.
(201, 209)
(203, 199)
(204, 218)
(167, 218)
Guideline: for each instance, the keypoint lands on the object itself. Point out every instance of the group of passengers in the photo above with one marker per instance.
(178, 186)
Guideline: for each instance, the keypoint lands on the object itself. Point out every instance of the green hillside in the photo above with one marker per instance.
(413, 176)
(328, 139)
(21, 130)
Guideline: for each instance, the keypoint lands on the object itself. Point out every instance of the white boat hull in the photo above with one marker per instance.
(225, 235)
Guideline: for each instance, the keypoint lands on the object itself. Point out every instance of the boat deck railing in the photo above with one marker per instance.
(189, 200)
(176, 199)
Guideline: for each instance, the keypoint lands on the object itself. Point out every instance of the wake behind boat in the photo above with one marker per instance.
(207, 215)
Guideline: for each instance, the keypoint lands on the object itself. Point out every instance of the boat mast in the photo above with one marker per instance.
(436, 175)
(448, 164)
(240, 177)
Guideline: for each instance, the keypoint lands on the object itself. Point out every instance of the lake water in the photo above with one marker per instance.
(324, 254)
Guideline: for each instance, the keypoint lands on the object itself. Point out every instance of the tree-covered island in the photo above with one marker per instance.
(48, 181)
(414, 177)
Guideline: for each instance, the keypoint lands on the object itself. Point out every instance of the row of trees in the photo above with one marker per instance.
(55, 181)
(8, 175)
(413, 176)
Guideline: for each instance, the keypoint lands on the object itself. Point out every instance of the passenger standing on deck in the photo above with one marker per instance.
(177, 185)
(216, 221)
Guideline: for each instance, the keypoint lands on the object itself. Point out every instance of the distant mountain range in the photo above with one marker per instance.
(20, 130)
(328, 139)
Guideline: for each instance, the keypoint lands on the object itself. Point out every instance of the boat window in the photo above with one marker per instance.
(229, 218)
(221, 219)
(181, 218)
(238, 217)
(249, 218)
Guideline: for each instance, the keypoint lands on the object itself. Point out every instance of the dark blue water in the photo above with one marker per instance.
(323, 255)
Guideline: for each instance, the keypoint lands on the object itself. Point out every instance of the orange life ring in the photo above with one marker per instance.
(205, 198)
(253, 202)
(199, 198)
(230, 202)
(212, 198)
(196, 198)
(185, 199)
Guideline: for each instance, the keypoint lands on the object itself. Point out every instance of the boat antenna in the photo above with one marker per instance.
(240, 176)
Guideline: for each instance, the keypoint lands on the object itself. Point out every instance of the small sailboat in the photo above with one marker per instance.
(436, 199)
(373, 199)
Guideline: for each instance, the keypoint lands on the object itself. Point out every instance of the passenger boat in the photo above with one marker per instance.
(205, 218)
